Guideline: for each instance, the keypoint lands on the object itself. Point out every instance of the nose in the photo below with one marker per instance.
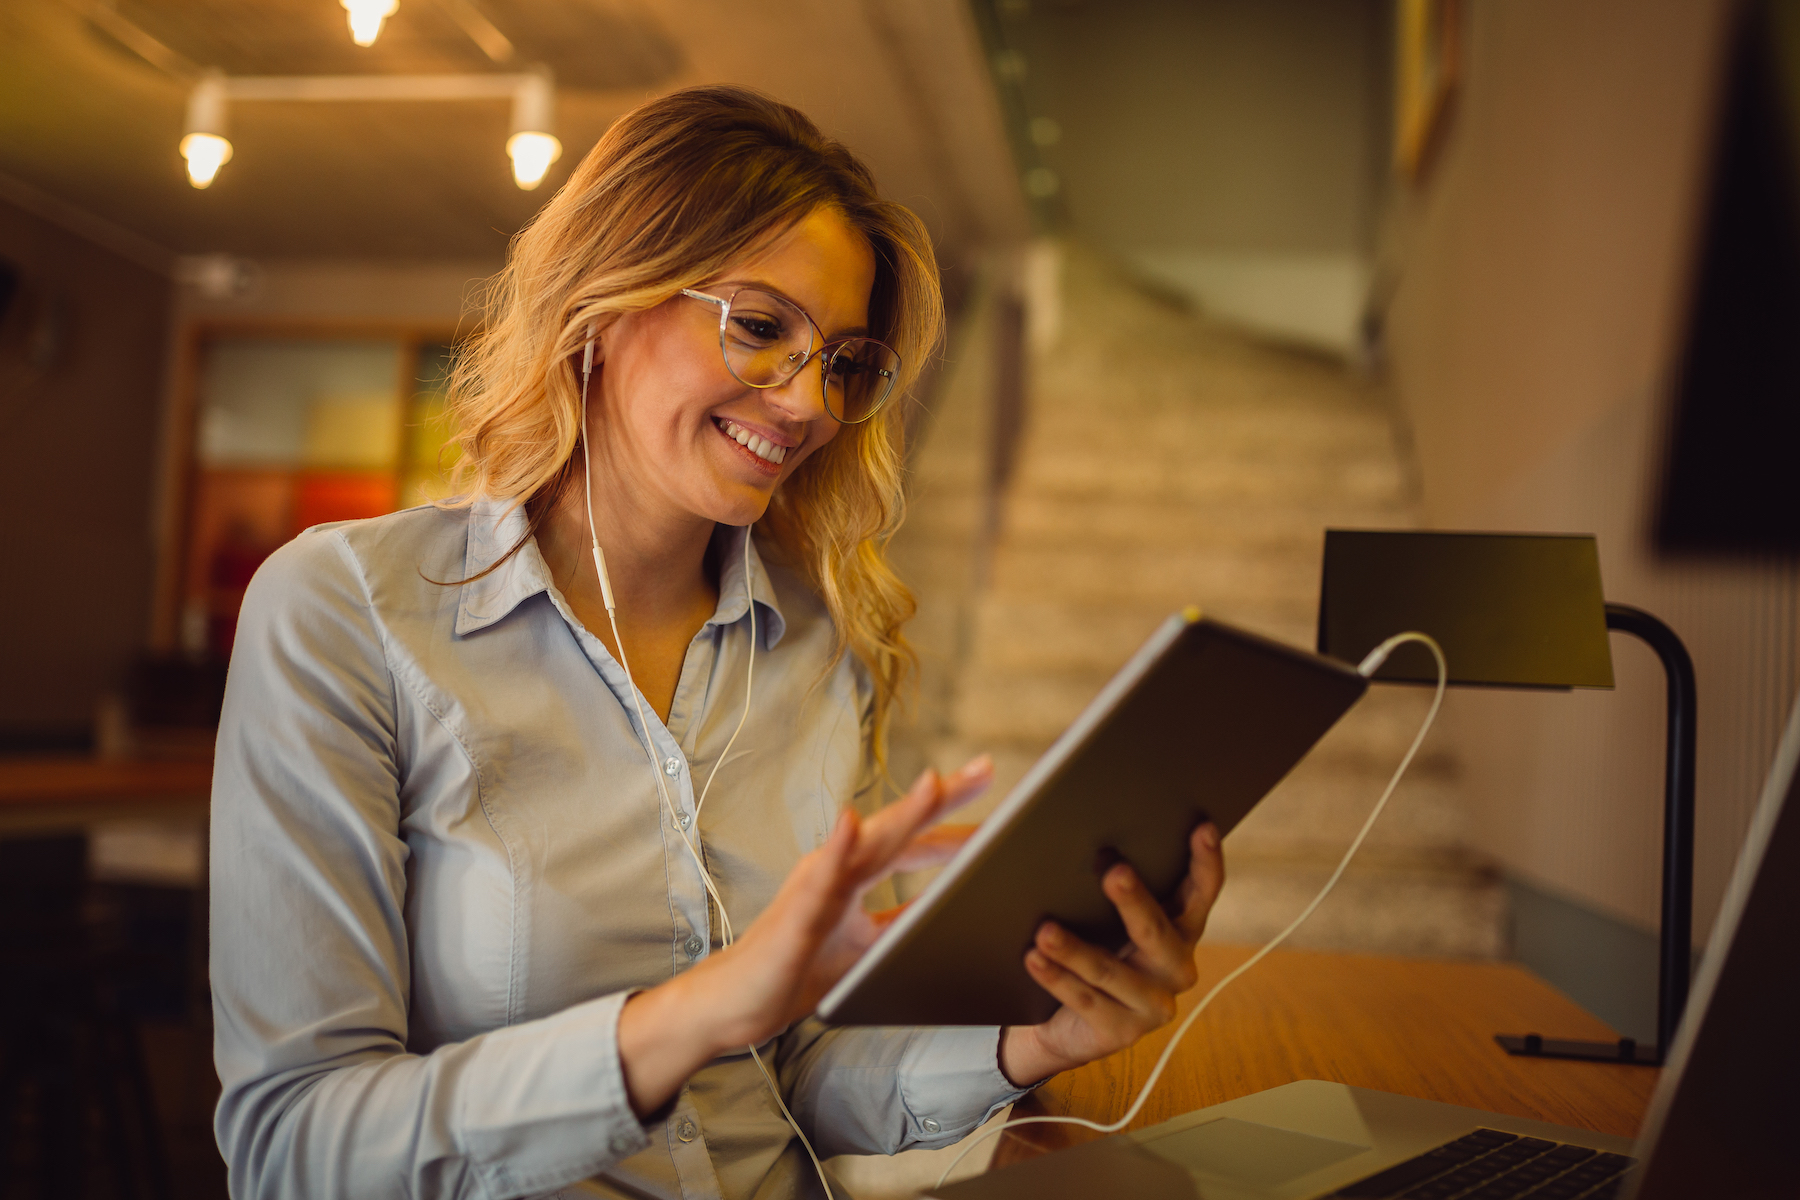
(802, 397)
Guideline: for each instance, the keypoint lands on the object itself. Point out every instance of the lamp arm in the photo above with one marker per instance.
(1676, 956)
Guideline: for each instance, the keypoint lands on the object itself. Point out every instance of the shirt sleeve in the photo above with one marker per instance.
(309, 955)
(881, 1091)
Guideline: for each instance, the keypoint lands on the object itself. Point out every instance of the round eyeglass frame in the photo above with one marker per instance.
(816, 334)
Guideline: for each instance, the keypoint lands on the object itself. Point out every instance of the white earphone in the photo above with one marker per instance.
(612, 616)
(587, 463)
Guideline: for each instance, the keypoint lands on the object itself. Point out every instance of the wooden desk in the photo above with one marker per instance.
(1415, 1026)
(39, 793)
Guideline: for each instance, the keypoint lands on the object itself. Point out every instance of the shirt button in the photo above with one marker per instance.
(686, 1130)
(683, 820)
(694, 946)
(931, 1125)
(671, 766)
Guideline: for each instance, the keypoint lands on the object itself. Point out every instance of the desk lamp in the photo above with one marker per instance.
(1523, 611)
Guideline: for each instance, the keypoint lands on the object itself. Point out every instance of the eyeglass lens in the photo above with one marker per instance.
(766, 339)
(858, 377)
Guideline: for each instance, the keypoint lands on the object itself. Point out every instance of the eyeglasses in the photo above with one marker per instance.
(766, 340)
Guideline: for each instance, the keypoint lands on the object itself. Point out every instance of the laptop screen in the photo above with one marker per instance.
(1723, 1120)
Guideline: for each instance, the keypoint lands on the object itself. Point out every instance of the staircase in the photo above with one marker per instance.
(1163, 459)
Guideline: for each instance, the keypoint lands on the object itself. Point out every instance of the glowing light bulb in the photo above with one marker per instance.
(366, 17)
(532, 153)
(205, 154)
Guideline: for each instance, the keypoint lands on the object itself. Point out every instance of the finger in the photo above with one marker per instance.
(1200, 890)
(822, 879)
(933, 847)
(887, 916)
(1112, 1022)
(813, 898)
(968, 781)
(889, 831)
(1106, 973)
(1158, 947)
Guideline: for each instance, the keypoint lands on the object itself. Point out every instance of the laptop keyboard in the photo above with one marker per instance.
(1490, 1165)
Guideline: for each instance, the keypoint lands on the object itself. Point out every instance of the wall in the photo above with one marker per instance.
(393, 293)
(1539, 306)
(81, 370)
(1231, 149)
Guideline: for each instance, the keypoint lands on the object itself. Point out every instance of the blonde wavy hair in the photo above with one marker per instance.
(677, 190)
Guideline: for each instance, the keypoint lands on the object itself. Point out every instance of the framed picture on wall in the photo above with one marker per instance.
(287, 428)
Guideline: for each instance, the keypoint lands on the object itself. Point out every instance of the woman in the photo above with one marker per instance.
(464, 831)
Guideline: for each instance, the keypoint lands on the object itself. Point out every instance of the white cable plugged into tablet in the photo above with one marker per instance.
(1369, 665)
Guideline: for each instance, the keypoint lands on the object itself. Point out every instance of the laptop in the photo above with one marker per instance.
(1722, 1123)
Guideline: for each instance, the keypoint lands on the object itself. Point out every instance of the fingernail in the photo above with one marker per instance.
(1209, 833)
(1052, 933)
(981, 764)
(1121, 876)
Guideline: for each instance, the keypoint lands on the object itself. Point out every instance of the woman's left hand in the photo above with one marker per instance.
(1110, 1000)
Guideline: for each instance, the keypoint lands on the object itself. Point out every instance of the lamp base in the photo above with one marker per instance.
(1625, 1050)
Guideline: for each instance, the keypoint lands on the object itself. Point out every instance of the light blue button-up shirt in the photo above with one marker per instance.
(440, 863)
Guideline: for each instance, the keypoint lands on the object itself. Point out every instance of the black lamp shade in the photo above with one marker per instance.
(1509, 609)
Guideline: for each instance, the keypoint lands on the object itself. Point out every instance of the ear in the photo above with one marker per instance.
(598, 330)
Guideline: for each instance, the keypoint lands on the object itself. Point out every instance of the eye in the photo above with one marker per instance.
(757, 328)
(859, 358)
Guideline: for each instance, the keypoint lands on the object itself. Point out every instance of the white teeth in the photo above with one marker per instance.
(760, 446)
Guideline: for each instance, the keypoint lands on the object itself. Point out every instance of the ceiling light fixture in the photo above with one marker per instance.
(532, 146)
(203, 142)
(531, 154)
(366, 17)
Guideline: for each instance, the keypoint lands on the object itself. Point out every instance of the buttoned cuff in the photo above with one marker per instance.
(544, 1103)
(950, 1083)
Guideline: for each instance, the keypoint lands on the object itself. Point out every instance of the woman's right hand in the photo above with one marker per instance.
(810, 934)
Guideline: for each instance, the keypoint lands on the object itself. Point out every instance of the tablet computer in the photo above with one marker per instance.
(1201, 723)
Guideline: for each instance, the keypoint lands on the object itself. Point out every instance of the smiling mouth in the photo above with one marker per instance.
(756, 444)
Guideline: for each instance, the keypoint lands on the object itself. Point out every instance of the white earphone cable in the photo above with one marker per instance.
(749, 683)
(706, 879)
(1366, 668)
(612, 617)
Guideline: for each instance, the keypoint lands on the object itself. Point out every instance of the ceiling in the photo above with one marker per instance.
(90, 122)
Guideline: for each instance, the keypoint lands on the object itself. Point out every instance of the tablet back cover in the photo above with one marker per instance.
(1217, 719)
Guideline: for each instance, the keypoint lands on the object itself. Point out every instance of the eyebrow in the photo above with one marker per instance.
(763, 285)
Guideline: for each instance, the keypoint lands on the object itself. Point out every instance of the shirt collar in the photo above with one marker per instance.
(770, 624)
(496, 526)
